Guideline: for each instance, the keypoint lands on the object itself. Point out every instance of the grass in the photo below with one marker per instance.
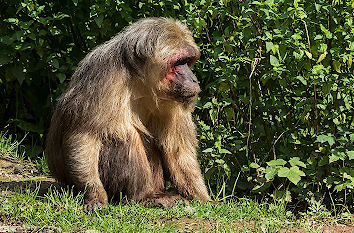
(11, 147)
(28, 202)
(60, 208)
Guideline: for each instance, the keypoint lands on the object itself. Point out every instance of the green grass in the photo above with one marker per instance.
(60, 208)
(27, 202)
(10, 147)
(13, 148)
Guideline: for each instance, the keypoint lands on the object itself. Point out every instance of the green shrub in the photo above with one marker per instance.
(276, 113)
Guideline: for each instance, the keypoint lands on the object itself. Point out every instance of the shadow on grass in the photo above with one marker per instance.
(40, 185)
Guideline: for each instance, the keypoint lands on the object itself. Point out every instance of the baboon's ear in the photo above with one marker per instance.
(136, 52)
(133, 59)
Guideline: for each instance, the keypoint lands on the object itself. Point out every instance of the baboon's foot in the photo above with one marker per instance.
(94, 199)
(163, 200)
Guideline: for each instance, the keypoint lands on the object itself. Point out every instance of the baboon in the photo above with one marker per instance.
(124, 125)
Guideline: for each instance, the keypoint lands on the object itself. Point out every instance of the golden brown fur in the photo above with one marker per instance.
(116, 131)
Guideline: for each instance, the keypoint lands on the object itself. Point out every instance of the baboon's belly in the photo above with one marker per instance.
(126, 172)
(114, 168)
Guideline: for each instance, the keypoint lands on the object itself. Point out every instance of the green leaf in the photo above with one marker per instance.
(18, 73)
(340, 187)
(4, 58)
(295, 161)
(333, 158)
(308, 54)
(224, 151)
(336, 66)
(350, 154)
(318, 69)
(293, 174)
(11, 20)
(318, 37)
(326, 138)
(55, 63)
(270, 172)
(299, 55)
(229, 113)
(61, 16)
(322, 56)
(27, 126)
(278, 162)
(323, 161)
(336, 155)
(61, 77)
(275, 49)
(302, 80)
(272, 47)
(99, 20)
(327, 33)
(208, 150)
(351, 136)
(208, 105)
(269, 46)
(254, 165)
(274, 61)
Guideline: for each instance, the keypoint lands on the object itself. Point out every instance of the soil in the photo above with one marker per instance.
(19, 174)
(209, 225)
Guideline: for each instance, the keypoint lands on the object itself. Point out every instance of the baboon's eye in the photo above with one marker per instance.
(183, 61)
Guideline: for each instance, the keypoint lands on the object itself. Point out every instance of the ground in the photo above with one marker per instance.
(31, 201)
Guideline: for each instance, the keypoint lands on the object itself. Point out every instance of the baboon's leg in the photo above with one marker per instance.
(81, 155)
(185, 173)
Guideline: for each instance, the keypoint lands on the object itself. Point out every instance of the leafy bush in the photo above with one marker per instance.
(276, 112)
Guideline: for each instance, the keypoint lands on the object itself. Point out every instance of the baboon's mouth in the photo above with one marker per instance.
(189, 99)
(190, 96)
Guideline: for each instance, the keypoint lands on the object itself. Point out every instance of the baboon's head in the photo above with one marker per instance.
(166, 50)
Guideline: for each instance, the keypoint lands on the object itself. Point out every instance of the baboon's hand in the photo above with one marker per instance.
(95, 198)
(92, 206)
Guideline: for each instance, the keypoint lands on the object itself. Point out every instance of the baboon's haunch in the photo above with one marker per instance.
(124, 125)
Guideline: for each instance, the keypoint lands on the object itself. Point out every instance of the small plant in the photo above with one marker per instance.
(11, 147)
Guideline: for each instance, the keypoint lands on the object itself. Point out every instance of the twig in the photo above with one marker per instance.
(307, 34)
(275, 142)
(253, 68)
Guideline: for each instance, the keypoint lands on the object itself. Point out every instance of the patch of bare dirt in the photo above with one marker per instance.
(28, 229)
(207, 225)
(4, 221)
(330, 228)
(19, 175)
(12, 169)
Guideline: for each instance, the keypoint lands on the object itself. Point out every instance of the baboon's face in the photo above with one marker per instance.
(182, 84)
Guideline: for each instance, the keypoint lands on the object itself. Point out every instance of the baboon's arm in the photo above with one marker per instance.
(185, 173)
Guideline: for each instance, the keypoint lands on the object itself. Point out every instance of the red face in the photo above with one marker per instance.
(183, 85)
